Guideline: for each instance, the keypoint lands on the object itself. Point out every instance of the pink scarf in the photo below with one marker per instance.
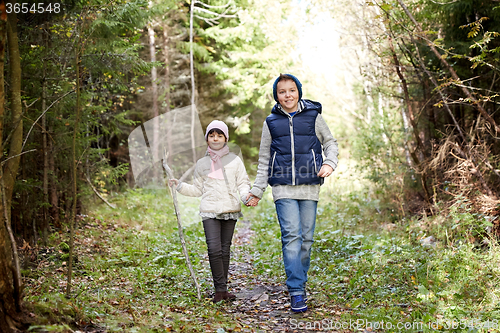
(216, 165)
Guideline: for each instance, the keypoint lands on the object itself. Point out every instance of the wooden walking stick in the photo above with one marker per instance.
(173, 191)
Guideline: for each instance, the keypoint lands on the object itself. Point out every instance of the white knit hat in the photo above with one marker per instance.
(218, 124)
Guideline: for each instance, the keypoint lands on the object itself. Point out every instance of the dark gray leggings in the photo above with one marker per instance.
(219, 234)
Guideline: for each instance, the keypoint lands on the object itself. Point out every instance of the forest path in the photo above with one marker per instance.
(127, 279)
(262, 305)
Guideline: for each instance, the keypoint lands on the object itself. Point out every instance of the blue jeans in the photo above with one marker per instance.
(297, 220)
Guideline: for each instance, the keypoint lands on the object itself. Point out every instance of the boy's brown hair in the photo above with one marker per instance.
(284, 77)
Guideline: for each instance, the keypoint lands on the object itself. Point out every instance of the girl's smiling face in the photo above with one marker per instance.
(216, 140)
(288, 95)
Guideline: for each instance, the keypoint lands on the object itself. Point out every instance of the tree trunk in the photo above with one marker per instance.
(53, 197)
(167, 88)
(193, 87)
(154, 87)
(416, 134)
(430, 116)
(45, 222)
(406, 95)
(12, 165)
(9, 314)
(72, 219)
(10, 306)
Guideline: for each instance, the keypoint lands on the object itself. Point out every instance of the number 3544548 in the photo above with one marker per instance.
(37, 8)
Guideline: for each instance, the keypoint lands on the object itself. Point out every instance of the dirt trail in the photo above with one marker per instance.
(261, 306)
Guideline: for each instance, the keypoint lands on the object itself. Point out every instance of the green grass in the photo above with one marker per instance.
(131, 275)
(371, 275)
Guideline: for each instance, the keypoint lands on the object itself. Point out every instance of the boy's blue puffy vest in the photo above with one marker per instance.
(295, 161)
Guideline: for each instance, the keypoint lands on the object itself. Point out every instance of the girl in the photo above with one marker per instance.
(218, 177)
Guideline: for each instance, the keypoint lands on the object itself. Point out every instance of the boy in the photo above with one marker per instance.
(294, 136)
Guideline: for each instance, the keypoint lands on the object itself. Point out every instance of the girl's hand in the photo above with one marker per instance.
(325, 171)
(172, 182)
(252, 200)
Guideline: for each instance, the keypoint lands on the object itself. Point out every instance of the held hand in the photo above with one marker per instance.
(325, 171)
(252, 200)
(172, 182)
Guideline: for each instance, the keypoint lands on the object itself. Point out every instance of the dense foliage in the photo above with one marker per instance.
(415, 108)
(426, 109)
(111, 41)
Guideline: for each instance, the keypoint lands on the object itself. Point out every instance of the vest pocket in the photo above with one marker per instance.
(272, 164)
(314, 160)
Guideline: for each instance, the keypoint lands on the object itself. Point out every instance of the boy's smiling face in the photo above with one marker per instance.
(288, 95)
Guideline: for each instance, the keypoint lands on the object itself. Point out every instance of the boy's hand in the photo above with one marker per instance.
(172, 182)
(252, 200)
(325, 171)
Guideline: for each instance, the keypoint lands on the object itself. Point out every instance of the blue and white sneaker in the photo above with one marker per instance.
(298, 303)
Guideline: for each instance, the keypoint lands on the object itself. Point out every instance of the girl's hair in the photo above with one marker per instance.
(216, 130)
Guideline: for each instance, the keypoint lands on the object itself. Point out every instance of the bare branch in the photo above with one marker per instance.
(431, 43)
(47, 109)
(212, 22)
(451, 70)
(213, 13)
(444, 3)
(28, 106)
(467, 154)
(24, 152)
(99, 195)
(209, 6)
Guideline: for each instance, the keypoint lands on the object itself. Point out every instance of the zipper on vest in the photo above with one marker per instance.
(272, 164)
(314, 159)
(293, 150)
